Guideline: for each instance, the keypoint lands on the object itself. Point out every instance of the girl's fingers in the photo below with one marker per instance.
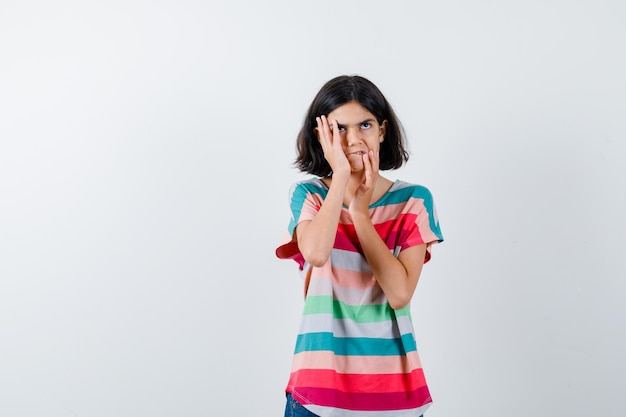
(328, 131)
(323, 128)
(375, 161)
(322, 132)
(326, 125)
(333, 133)
(332, 125)
(330, 138)
(367, 164)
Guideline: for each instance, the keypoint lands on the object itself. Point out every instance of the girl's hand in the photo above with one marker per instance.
(330, 139)
(363, 195)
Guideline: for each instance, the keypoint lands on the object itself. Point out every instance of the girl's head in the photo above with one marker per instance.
(335, 93)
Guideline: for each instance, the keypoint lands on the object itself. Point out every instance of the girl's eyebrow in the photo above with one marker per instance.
(370, 120)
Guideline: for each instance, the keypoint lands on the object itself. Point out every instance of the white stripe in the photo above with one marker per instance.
(338, 412)
(320, 286)
(350, 296)
(316, 323)
(352, 261)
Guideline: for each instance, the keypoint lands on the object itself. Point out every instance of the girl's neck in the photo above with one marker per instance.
(380, 188)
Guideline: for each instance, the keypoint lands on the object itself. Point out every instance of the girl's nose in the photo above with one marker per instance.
(353, 136)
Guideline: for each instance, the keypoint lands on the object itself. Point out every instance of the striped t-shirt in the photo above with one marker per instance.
(353, 352)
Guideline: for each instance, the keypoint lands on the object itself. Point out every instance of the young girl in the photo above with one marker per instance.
(360, 241)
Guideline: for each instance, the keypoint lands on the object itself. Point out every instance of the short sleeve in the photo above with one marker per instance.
(305, 200)
(424, 226)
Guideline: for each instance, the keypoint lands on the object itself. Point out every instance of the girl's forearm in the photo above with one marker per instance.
(316, 240)
(389, 272)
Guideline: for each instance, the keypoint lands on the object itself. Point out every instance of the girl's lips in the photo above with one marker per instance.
(359, 153)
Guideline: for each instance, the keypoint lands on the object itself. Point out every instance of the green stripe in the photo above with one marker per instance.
(368, 313)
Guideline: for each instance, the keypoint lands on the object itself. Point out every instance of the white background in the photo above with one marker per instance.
(145, 162)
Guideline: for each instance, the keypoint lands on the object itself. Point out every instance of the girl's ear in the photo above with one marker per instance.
(382, 130)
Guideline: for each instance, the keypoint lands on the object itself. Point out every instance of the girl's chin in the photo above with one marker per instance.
(356, 166)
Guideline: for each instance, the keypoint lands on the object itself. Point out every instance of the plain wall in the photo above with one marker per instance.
(146, 153)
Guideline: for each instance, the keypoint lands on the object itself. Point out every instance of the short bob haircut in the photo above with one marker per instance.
(337, 92)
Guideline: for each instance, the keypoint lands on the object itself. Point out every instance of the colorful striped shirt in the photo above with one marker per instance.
(353, 352)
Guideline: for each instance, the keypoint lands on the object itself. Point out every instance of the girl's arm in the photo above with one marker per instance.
(397, 277)
(317, 237)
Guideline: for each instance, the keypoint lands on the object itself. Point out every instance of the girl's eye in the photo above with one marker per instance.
(366, 125)
(341, 128)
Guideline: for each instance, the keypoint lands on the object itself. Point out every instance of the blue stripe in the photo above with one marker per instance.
(407, 191)
(402, 195)
(298, 195)
(355, 346)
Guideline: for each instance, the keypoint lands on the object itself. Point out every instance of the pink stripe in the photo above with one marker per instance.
(359, 383)
(349, 279)
(363, 401)
(350, 296)
(346, 238)
(352, 365)
(392, 211)
(393, 231)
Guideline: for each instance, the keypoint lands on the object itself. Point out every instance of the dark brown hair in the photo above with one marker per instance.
(337, 92)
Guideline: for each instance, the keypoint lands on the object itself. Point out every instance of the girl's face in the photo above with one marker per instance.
(359, 131)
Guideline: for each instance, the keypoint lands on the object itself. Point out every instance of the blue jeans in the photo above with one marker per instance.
(294, 409)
